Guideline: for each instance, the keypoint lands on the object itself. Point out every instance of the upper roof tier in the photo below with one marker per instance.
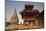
(29, 7)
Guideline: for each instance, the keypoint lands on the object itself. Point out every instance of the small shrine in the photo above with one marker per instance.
(14, 18)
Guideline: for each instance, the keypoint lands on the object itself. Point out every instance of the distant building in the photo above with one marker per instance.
(42, 13)
(42, 16)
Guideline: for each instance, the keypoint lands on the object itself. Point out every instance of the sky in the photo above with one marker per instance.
(10, 6)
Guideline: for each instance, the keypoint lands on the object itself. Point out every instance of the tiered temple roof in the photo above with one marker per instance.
(28, 11)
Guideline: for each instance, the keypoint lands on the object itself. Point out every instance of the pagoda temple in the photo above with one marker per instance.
(29, 15)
